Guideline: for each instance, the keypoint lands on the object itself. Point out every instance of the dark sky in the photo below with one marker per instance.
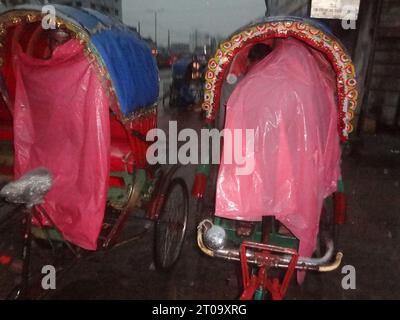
(182, 17)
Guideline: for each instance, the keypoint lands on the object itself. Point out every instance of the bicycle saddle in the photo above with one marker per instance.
(30, 189)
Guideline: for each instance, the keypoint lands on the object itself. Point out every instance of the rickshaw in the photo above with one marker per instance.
(187, 82)
(77, 103)
(300, 99)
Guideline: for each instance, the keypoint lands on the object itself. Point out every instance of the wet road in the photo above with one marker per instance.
(369, 241)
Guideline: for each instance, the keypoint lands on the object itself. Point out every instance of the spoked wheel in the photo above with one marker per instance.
(171, 225)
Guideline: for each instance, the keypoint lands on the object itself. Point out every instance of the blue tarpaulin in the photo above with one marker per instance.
(128, 59)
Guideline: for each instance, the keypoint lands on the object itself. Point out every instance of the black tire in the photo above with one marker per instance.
(171, 226)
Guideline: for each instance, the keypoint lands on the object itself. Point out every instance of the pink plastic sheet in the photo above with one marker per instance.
(61, 122)
(288, 98)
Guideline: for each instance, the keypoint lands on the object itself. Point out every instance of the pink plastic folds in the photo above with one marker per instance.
(61, 122)
(289, 100)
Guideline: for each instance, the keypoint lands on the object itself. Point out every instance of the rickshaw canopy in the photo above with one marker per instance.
(306, 30)
(127, 67)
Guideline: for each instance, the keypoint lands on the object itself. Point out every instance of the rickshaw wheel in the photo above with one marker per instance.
(171, 226)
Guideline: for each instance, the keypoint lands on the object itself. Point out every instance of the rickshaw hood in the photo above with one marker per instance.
(124, 61)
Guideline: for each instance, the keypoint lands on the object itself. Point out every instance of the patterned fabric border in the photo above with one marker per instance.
(341, 62)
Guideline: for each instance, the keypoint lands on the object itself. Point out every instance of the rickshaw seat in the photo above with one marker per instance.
(30, 189)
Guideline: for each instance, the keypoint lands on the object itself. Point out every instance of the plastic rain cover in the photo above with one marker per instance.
(61, 122)
(288, 98)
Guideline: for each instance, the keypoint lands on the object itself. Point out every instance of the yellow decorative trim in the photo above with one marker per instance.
(145, 112)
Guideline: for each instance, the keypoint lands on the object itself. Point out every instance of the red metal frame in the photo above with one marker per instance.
(199, 186)
(265, 256)
(340, 207)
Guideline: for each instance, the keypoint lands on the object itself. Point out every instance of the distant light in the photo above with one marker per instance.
(196, 65)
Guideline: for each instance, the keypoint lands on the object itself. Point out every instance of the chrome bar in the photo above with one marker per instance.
(279, 261)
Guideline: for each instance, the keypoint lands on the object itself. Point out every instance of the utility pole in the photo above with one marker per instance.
(155, 11)
(155, 28)
(195, 40)
(169, 40)
(138, 28)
